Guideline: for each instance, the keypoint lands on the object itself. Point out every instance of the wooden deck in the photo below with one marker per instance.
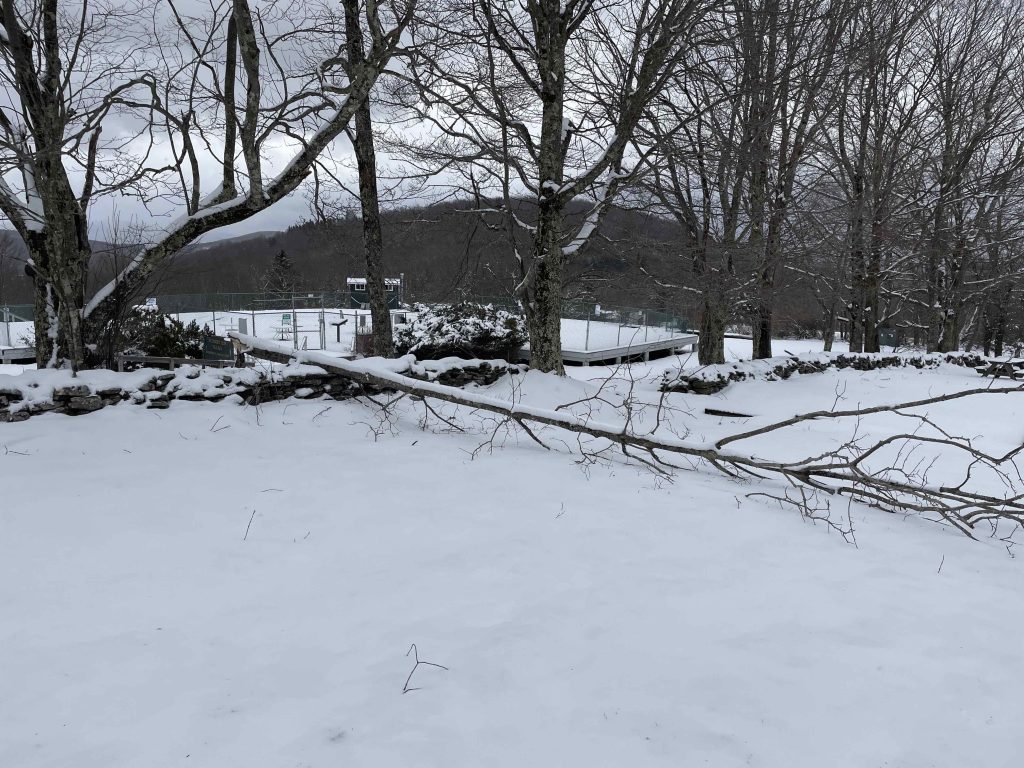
(641, 350)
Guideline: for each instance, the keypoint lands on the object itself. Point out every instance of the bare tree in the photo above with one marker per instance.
(221, 88)
(874, 146)
(734, 131)
(699, 174)
(540, 99)
(975, 105)
(790, 49)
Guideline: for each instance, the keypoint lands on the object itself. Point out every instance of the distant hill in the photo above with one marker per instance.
(444, 252)
(15, 285)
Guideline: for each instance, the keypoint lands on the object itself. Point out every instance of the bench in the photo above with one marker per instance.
(996, 368)
(17, 355)
(151, 361)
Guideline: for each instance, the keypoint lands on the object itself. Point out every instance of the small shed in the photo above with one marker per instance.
(359, 296)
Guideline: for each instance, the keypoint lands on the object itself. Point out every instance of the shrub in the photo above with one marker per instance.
(148, 332)
(464, 330)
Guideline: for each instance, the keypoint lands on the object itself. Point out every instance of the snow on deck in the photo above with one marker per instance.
(583, 336)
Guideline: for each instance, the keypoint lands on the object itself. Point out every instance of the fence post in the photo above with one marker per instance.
(295, 325)
(586, 340)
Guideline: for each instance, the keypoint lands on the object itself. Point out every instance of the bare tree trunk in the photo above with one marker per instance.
(828, 326)
(373, 238)
(44, 320)
(765, 309)
(711, 342)
(949, 336)
(872, 298)
(544, 302)
(999, 336)
(855, 312)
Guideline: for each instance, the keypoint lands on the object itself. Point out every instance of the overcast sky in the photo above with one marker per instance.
(145, 221)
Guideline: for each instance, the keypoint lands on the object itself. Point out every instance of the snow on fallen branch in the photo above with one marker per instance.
(902, 487)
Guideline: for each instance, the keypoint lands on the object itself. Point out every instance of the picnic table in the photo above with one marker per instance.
(1011, 368)
(282, 332)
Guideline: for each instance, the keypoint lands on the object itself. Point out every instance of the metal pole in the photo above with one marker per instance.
(295, 326)
(645, 325)
(586, 340)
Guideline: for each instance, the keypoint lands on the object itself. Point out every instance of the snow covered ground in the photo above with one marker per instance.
(214, 585)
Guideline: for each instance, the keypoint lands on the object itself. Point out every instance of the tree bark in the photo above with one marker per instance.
(711, 342)
(764, 316)
(828, 326)
(543, 288)
(544, 298)
(369, 199)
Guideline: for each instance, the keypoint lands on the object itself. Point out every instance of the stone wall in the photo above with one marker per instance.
(715, 378)
(36, 392)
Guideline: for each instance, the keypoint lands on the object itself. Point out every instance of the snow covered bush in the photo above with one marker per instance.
(464, 330)
(148, 332)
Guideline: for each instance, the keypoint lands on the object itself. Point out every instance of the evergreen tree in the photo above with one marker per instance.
(281, 277)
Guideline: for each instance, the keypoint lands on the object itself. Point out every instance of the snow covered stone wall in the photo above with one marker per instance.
(714, 378)
(35, 392)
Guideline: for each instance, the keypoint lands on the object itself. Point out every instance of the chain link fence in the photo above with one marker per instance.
(319, 320)
(314, 320)
(324, 319)
(15, 325)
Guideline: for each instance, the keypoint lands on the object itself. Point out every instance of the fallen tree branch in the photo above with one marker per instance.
(837, 472)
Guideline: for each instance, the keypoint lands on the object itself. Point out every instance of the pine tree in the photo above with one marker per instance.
(281, 277)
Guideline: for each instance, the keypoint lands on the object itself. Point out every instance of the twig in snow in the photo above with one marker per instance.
(416, 655)
(249, 526)
(215, 428)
